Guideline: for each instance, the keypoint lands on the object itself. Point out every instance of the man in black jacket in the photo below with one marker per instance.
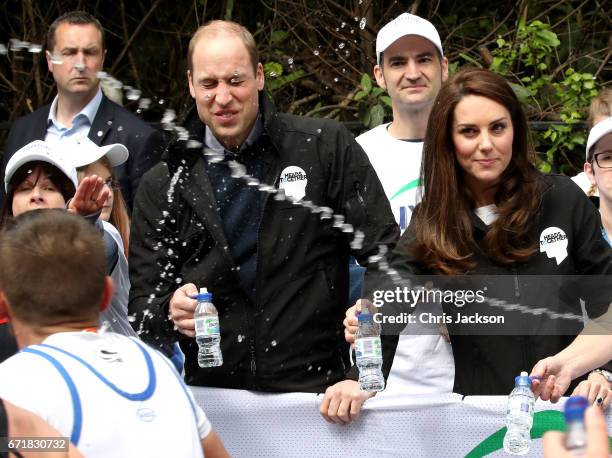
(278, 270)
(75, 55)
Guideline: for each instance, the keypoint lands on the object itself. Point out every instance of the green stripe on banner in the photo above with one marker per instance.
(407, 187)
(547, 420)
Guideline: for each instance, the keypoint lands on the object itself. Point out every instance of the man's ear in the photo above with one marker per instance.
(260, 77)
(444, 65)
(107, 293)
(49, 58)
(380, 77)
(190, 82)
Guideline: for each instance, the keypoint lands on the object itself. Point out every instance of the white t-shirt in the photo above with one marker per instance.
(423, 362)
(398, 165)
(117, 397)
(488, 213)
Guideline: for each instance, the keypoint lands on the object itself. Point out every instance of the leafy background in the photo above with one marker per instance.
(318, 55)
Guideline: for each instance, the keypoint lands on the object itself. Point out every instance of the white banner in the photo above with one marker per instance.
(253, 424)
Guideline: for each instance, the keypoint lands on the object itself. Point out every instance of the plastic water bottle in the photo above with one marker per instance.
(519, 417)
(575, 437)
(368, 353)
(208, 336)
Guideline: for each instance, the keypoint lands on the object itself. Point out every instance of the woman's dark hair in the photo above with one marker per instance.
(444, 233)
(59, 179)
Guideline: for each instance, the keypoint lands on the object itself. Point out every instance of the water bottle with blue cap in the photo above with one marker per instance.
(519, 416)
(207, 330)
(368, 353)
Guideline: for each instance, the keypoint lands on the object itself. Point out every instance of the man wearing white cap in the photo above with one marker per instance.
(411, 67)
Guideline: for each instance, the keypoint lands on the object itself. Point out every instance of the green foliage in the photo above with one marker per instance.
(275, 74)
(275, 77)
(529, 59)
(374, 104)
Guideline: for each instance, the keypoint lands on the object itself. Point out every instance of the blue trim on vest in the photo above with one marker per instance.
(143, 396)
(77, 422)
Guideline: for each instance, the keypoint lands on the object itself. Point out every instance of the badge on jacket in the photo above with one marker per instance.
(293, 181)
(553, 241)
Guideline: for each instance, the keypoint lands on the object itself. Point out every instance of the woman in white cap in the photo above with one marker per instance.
(38, 176)
(93, 160)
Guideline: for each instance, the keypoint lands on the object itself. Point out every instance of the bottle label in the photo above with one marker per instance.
(368, 347)
(207, 326)
(520, 403)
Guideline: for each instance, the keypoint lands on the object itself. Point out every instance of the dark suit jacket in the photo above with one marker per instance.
(112, 124)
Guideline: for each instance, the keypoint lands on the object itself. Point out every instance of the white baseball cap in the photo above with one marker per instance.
(599, 130)
(39, 151)
(84, 152)
(406, 24)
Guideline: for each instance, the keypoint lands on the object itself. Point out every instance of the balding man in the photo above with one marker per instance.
(277, 268)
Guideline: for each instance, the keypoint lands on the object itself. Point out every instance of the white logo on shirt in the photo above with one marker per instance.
(293, 181)
(553, 241)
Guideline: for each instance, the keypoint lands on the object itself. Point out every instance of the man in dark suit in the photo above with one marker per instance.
(75, 54)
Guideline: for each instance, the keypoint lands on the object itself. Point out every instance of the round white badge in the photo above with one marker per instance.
(553, 241)
(293, 181)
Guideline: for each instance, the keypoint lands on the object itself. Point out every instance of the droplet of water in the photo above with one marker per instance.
(343, 24)
(316, 52)
(145, 103)
(17, 45)
(273, 74)
(290, 61)
(341, 45)
(326, 213)
(338, 221)
(168, 117)
(133, 94)
(237, 169)
(273, 343)
(362, 23)
(335, 80)
(240, 338)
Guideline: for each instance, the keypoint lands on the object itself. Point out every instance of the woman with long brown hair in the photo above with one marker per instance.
(490, 221)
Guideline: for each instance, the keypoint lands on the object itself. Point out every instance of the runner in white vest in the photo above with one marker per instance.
(411, 67)
(110, 394)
